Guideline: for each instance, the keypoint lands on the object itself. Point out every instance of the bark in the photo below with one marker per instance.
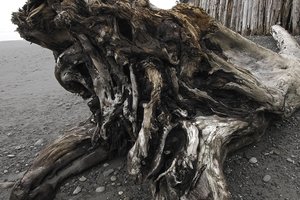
(253, 17)
(174, 88)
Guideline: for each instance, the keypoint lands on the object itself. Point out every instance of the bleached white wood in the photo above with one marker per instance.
(251, 17)
(286, 43)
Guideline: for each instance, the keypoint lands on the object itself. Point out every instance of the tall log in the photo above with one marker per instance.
(174, 89)
(254, 17)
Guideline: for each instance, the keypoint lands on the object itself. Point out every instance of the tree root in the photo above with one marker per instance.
(67, 156)
(174, 86)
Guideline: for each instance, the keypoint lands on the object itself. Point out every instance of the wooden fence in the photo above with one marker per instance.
(253, 17)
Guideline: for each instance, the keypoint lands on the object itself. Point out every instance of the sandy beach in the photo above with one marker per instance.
(35, 110)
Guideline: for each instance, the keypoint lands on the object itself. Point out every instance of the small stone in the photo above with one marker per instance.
(39, 142)
(77, 190)
(9, 134)
(108, 172)
(120, 193)
(113, 183)
(100, 189)
(5, 171)
(267, 178)
(276, 151)
(11, 155)
(105, 165)
(18, 147)
(82, 179)
(253, 160)
(290, 160)
(113, 178)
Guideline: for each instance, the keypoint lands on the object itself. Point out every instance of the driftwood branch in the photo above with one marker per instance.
(174, 88)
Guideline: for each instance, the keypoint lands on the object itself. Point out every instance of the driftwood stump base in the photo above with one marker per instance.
(174, 89)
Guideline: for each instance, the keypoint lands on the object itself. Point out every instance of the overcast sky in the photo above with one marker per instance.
(7, 29)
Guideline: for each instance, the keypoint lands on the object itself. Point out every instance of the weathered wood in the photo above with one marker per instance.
(174, 88)
(251, 17)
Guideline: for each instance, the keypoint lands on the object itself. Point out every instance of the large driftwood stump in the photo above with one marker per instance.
(173, 88)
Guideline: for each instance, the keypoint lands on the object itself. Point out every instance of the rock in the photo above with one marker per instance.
(100, 189)
(105, 165)
(290, 160)
(11, 155)
(253, 160)
(39, 142)
(5, 171)
(113, 178)
(108, 172)
(77, 190)
(82, 179)
(9, 133)
(267, 178)
(18, 147)
(276, 151)
(120, 193)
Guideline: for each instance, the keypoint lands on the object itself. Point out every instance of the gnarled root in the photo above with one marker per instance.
(67, 156)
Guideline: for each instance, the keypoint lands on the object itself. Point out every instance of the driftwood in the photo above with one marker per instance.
(253, 17)
(174, 89)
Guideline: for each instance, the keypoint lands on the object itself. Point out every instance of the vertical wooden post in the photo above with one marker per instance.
(254, 17)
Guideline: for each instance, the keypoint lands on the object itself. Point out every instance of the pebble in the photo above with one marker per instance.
(11, 155)
(9, 134)
(82, 179)
(108, 172)
(18, 147)
(77, 190)
(105, 165)
(120, 193)
(253, 160)
(5, 171)
(39, 142)
(290, 160)
(276, 151)
(113, 178)
(267, 178)
(100, 189)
